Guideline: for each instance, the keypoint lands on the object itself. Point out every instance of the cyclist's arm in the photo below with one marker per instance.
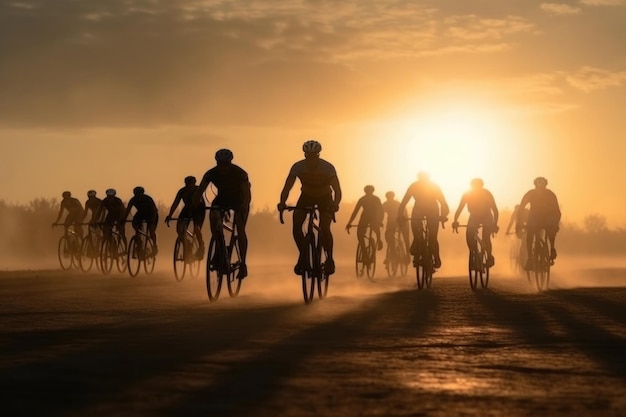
(444, 209)
(358, 206)
(130, 205)
(246, 193)
(459, 210)
(61, 208)
(525, 201)
(334, 183)
(494, 209)
(289, 182)
(179, 196)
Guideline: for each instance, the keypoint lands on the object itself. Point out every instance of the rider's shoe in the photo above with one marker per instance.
(385, 261)
(243, 271)
(529, 265)
(437, 263)
(299, 268)
(490, 261)
(380, 245)
(329, 266)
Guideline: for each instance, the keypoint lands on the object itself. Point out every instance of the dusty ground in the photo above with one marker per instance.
(87, 345)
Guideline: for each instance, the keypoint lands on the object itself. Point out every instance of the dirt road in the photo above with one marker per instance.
(88, 345)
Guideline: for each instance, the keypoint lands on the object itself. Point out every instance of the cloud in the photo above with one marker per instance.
(589, 79)
(603, 2)
(559, 9)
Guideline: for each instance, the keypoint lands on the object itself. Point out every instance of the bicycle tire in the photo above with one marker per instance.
(149, 260)
(370, 266)
(484, 276)
(134, 258)
(86, 254)
(403, 258)
(180, 259)
(121, 255)
(214, 269)
(234, 262)
(359, 264)
(308, 274)
(64, 253)
(542, 267)
(194, 263)
(424, 267)
(106, 258)
(324, 277)
(392, 262)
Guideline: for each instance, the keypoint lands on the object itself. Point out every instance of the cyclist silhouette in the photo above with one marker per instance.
(146, 211)
(513, 221)
(197, 212)
(320, 185)
(544, 213)
(390, 208)
(429, 203)
(92, 205)
(75, 213)
(233, 192)
(112, 209)
(483, 210)
(372, 216)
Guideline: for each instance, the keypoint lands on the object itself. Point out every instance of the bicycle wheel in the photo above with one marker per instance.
(65, 253)
(424, 267)
(134, 257)
(542, 267)
(180, 259)
(214, 268)
(234, 283)
(484, 276)
(121, 256)
(106, 256)
(308, 275)
(194, 261)
(324, 277)
(149, 260)
(392, 262)
(370, 264)
(360, 265)
(86, 254)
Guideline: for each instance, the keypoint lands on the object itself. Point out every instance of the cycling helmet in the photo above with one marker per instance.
(190, 180)
(138, 191)
(91, 193)
(390, 195)
(224, 155)
(111, 192)
(540, 182)
(66, 194)
(312, 146)
(368, 189)
(477, 183)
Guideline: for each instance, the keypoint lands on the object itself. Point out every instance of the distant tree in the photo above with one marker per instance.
(595, 223)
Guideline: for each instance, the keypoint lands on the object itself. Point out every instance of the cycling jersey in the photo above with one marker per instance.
(428, 197)
(544, 208)
(315, 180)
(93, 204)
(230, 183)
(372, 213)
(145, 206)
(72, 205)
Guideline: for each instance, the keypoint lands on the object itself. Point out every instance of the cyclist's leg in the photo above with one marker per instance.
(417, 232)
(198, 221)
(530, 235)
(327, 239)
(360, 234)
(389, 237)
(241, 218)
(551, 236)
(486, 238)
(299, 216)
(376, 230)
(152, 226)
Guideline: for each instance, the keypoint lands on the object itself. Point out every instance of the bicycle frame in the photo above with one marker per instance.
(365, 261)
(69, 246)
(396, 254)
(540, 260)
(478, 267)
(185, 249)
(315, 253)
(141, 249)
(423, 260)
(223, 246)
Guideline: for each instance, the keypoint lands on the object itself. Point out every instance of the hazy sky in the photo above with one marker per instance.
(118, 93)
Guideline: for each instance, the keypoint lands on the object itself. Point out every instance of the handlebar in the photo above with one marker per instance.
(309, 209)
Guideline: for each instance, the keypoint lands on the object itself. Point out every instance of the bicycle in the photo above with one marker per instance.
(186, 249)
(423, 257)
(114, 249)
(141, 251)
(89, 248)
(314, 274)
(540, 261)
(397, 255)
(68, 249)
(478, 266)
(517, 253)
(365, 260)
(224, 256)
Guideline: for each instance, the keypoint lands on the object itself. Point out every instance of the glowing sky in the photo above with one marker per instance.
(118, 93)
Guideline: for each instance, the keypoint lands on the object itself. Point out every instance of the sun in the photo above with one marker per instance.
(454, 143)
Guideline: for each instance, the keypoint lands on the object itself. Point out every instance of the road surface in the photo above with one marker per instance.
(89, 345)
